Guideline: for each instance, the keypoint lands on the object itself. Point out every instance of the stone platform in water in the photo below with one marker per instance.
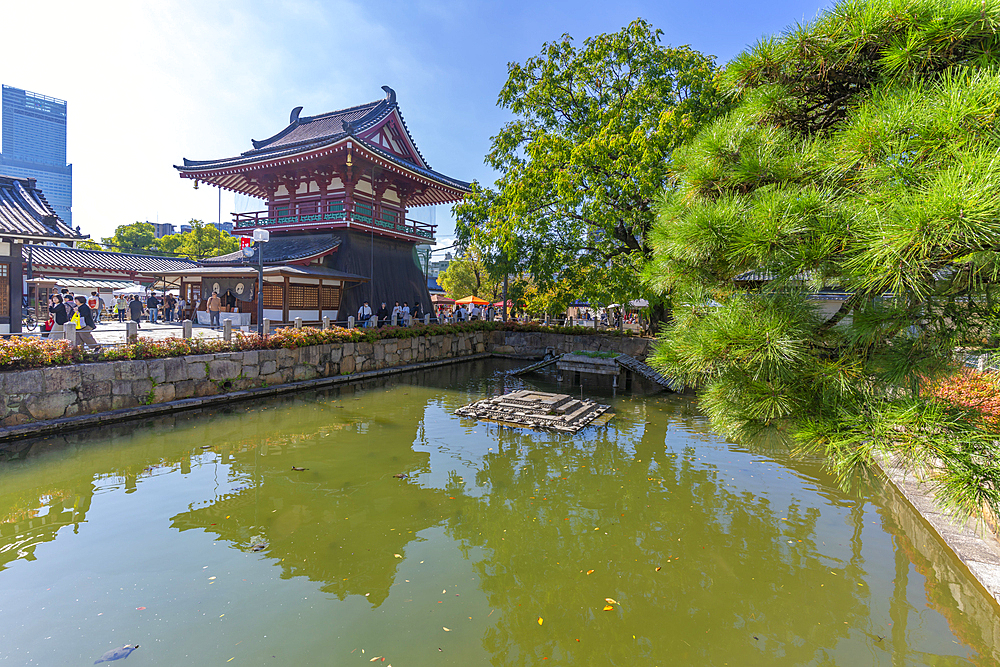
(539, 410)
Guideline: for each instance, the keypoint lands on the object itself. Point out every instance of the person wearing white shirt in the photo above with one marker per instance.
(397, 313)
(365, 315)
(406, 314)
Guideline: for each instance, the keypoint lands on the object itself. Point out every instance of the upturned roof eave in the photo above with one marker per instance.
(204, 168)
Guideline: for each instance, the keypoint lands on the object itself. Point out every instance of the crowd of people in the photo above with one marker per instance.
(405, 315)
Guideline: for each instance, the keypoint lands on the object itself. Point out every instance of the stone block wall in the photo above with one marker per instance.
(85, 389)
(68, 391)
(536, 344)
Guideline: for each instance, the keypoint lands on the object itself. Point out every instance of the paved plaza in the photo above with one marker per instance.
(113, 332)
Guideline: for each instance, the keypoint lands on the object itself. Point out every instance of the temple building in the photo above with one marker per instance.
(25, 217)
(338, 187)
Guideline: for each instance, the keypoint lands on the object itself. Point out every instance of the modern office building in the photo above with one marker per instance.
(34, 146)
(162, 229)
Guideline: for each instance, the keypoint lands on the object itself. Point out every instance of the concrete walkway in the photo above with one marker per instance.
(113, 332)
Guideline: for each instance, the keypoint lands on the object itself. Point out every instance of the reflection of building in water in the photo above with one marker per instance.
(971, 612)
(340, 524)
(39, 515)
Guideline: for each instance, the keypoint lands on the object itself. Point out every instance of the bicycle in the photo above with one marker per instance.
(28, 322)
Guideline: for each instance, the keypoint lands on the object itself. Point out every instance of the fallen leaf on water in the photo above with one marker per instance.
(539, 620)
(397, 555)
(375, 658)
(608, 608)
(140, 608)
(610, 601)
(446, 629)
(590, 571)
(658, 569)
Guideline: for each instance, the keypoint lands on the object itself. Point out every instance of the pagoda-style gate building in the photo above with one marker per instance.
(339, 186)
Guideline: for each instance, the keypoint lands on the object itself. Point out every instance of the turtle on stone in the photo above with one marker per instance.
(117, 654)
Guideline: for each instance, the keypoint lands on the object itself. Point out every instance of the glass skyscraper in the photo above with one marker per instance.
(34, 146)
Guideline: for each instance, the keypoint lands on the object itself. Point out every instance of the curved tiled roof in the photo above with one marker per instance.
(282, 249)
(78, 258)
(25, 212)
(303, 131)
(313, 132)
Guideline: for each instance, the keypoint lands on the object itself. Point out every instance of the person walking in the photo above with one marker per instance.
(416, 314)
(168, 308)
(152, 303)
(214, 306)
(122, 304)
(85, 324)
(58, 311)
(135, 310)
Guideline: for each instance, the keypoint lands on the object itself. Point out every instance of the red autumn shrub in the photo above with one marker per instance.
(971, 389)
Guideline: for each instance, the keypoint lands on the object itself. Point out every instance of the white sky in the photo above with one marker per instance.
(149, 82)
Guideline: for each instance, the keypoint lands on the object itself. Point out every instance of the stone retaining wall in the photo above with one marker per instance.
(84, 389)
(536, 344)
(68, 391)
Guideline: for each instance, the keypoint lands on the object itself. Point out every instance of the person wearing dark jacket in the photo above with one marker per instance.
(86, 324)
(382, 314)
(59, 312)
(152, 303)
(135, 310)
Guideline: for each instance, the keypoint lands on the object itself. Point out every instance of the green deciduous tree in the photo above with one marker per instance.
(583, 159)
(465, 276)
(202, 241)
(862, 156)
(138, 237)
(88, 245)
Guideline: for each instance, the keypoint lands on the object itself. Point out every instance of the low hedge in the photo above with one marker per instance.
(23, 352)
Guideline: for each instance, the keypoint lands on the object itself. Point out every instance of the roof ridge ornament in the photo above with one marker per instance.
(293, 118)
(390, 95)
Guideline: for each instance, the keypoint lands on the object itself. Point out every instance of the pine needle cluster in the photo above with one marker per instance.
(862, 157)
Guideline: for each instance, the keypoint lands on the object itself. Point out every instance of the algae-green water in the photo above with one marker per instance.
(413, 537)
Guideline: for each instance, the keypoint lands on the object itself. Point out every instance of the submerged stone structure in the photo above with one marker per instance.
(539, 410)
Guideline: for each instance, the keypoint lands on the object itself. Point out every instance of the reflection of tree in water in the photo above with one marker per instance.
(731, 587)
(341, 521)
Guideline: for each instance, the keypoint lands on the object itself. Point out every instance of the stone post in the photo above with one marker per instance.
(227, 330)
(981, 362)
(70, 329)
(298, 322)
(546, 319)
(326, 323)
(187, 329)
(394, 319)
(427, 319)
(350, 322)
(131, 332)
(266, 329)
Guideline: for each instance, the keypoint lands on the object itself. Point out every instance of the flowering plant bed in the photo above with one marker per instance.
(22, 352)
(971, 389)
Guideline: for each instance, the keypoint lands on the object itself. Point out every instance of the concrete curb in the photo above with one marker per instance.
(973, 542)
(41, 428)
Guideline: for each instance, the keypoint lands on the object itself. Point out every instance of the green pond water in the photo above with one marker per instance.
(500, 547)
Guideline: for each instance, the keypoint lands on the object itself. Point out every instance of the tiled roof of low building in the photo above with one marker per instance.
(25, 213)
(282, 249)
(78, 258)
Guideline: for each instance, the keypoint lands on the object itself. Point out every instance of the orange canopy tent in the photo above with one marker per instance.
(472, 299)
